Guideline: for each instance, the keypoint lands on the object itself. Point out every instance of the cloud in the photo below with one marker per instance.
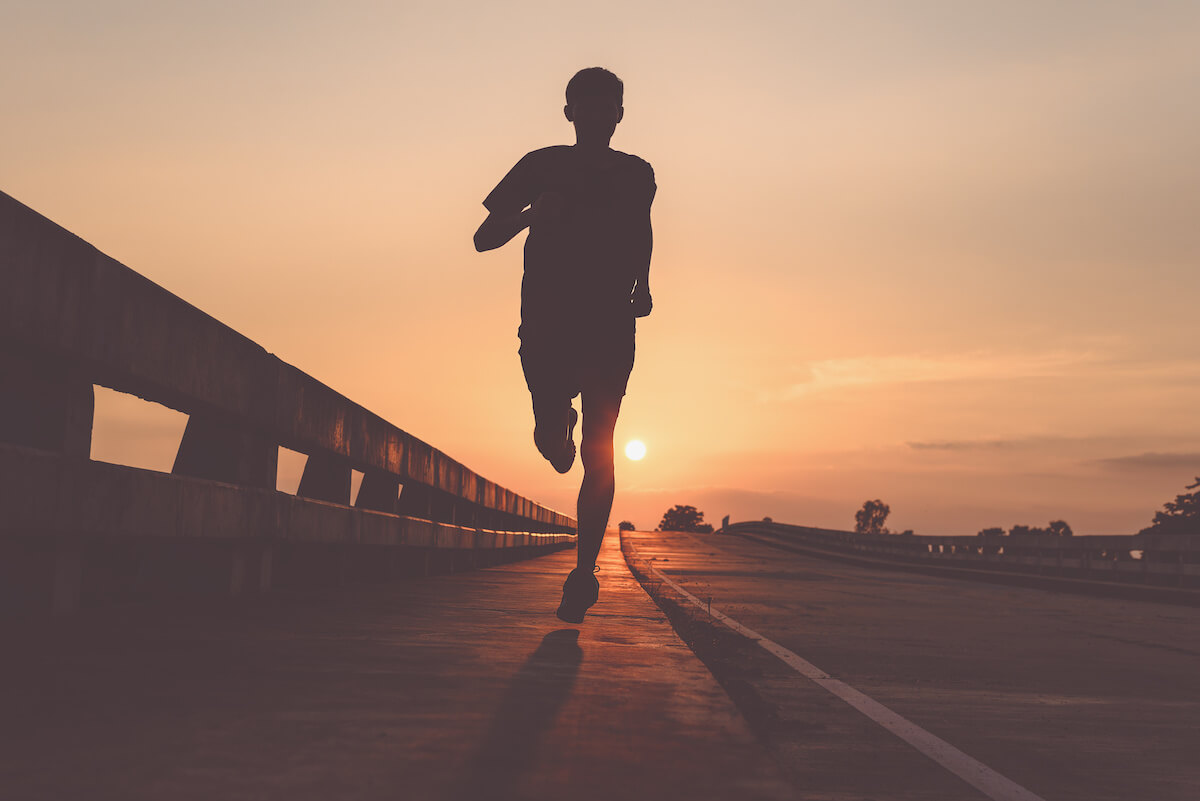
(1032, 441)
(1103, 364)
(1144, 462)
(962, 444)
(818, 376)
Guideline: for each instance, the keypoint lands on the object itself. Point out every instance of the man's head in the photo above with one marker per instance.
(594, 104)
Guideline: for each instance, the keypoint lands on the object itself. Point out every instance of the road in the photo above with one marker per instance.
(1070, 697)
(441, 688)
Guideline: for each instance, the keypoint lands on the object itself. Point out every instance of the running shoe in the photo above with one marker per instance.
(580, 591)
(565, 457)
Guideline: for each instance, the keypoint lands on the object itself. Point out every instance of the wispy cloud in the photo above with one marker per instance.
(962, 444)
(828, 374)
(977, 366)
(1144, 462)
(1106, 442)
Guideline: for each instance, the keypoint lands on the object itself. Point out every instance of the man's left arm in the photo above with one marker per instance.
(643, 247)
(640, 299)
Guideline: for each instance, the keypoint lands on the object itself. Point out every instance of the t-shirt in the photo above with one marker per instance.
(581, 269)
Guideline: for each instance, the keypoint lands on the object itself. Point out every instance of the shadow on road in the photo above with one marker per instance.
(527, 711)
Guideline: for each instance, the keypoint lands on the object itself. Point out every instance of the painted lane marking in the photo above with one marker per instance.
(965, 767)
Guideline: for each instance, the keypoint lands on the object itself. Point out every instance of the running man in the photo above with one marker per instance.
(587, 267)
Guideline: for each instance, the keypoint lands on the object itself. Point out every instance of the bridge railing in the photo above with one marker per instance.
(1152, 558)
(72, 317)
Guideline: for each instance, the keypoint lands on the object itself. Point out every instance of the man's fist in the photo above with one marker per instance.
(640, 301)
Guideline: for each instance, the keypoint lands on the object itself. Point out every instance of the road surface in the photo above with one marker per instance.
(1068, 696)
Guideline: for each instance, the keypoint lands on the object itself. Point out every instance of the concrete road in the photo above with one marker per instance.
(443, 688)
(1071, 697)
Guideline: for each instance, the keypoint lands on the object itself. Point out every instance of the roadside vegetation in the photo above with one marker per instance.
(684, 518)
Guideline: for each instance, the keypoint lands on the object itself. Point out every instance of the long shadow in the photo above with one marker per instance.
(527, 711)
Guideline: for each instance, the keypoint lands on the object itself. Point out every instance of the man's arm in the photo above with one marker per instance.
(640, 299)
(502, 225)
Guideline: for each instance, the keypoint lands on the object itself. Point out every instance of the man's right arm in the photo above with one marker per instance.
(500, 226)
(503, 224)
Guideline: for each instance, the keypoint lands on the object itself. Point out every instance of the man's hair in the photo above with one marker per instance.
(595, 81)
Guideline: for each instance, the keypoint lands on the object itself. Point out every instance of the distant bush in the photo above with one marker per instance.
(625, 525)
(870, 518)
(684, 518)
(1180, 516)
(1059, 528)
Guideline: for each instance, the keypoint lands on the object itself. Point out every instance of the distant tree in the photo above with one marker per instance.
(1025, 531)
(995, 531)
(684, 518)
(625, 525)
(768, 520)
(1180, 516)
(870, 518)
(908, 532)
(1060, 528)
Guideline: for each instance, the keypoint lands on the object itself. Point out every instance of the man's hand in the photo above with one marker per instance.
(640, 301)
(548, 208)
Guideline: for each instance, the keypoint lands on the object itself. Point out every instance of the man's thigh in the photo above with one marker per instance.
(550, 374)
(604, 361)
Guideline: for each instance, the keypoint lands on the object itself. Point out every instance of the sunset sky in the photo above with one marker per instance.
(944, 254)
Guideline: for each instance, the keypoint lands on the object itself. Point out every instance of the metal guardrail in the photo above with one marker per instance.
(72, 317)
(1170, 559)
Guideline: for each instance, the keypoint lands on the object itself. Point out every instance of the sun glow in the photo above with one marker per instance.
(635, 450)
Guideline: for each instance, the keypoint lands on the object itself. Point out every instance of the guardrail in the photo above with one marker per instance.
(1165, 559)
(72, 317)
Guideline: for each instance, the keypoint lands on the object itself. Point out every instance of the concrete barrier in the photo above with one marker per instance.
(71, 318)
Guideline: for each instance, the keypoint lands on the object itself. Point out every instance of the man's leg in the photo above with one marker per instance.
(551, 391)
(600, 411)
(553, 422)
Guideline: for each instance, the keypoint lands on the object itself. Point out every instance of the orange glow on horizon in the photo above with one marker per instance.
(931, 256)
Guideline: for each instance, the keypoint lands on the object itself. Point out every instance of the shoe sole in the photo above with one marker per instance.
(564, 465)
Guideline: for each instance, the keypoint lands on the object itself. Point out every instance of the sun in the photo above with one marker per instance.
(635, 450)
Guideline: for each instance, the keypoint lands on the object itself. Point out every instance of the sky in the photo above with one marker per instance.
(943, 254)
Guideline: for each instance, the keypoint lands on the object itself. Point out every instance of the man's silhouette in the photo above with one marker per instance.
(587, 265)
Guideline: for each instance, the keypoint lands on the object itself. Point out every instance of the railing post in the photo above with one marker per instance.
(378, 492)
(218, 451)
(325, 478)
(414, 501)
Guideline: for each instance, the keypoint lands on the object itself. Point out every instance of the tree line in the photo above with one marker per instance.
(1180, 516)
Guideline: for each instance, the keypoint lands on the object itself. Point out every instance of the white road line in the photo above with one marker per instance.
(970, 770)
